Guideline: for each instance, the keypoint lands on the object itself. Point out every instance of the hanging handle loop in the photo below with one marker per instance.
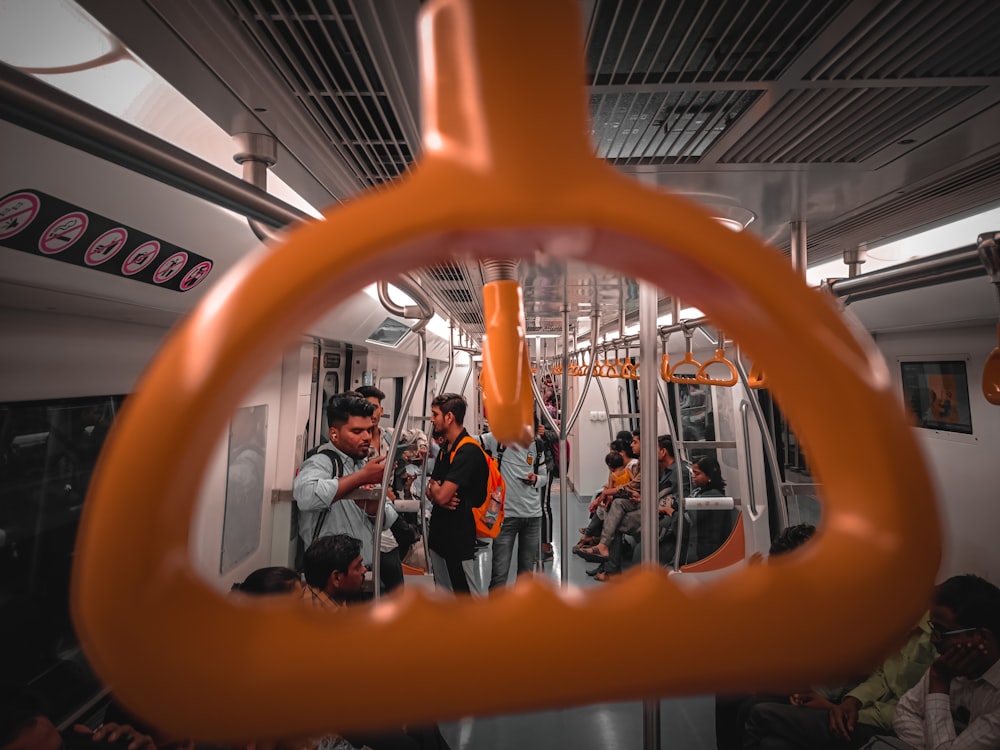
(686, 377)
(702, 375)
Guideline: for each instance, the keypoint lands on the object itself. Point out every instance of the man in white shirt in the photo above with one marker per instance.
(956, 704)
(525, 475)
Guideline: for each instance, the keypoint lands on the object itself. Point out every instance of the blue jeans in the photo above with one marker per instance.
(528, 533)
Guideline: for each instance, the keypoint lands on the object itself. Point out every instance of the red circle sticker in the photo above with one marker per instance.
(196, 275)
(106, 247)
(63, 232)
(17, 212)
(170, 267)
(141, 257)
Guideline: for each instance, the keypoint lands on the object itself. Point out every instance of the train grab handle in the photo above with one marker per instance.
(476, 192)
(702, 375)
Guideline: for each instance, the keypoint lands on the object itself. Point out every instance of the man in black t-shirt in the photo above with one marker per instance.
(457, 486)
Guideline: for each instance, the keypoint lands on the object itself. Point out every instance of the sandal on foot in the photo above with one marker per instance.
(591, 554)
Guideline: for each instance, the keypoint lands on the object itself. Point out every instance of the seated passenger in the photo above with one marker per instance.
(624, 514)
(618, 477)
(814, 721)
(625, 500)
(731, 711)
(713, 527)
(956, 704)
(26, 725)
(272, 580)
(334, 571)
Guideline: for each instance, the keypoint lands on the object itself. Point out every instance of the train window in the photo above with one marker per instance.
(244, 486)
(937, 394)
(50, 449)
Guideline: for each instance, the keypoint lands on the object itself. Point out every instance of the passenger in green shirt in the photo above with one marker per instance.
(811, 721)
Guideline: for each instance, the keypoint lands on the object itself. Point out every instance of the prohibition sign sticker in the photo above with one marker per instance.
(106, 247)
(141, 257)
(16, 212)
(196, 275)
(63, 232)
(170, 267)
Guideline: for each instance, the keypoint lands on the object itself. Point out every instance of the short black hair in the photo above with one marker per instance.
(974, 600)
(370, 391)
(667, 443)
(327, 554)
(790, 538)
(343, 407)
(451, 403)
(624, 435)
(614, 460)
(272, 580)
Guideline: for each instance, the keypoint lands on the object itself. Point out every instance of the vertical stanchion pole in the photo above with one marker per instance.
(563, 424)
(649, 468)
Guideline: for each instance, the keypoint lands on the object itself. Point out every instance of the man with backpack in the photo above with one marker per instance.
(526, 477)
(330, 488)
(459, 484)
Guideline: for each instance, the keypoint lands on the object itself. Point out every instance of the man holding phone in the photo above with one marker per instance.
(526, 475)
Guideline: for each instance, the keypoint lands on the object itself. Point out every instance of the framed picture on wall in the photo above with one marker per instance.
(937, 394)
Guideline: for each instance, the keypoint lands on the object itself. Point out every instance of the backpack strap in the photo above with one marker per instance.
(464, 441)
(338, 471)
(500, 450)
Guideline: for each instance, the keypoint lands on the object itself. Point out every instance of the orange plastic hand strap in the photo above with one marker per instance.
(704, 378)
(613, 369)
(476, 193)
(756, 377)
(628, 371)
(685, 377)
(665, 367)
(507, 392)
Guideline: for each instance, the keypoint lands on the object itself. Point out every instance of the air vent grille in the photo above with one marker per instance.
(663, 128)
(447, 272)
(326, 59)
(692, 41)
(908, 39)
(458, 295)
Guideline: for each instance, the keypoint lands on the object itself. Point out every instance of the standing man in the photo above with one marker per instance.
(326, 487)
(381, 437)
(548, 441)
(526, 477)
(457, 486)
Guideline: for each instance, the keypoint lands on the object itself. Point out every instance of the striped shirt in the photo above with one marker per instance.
(966, 719)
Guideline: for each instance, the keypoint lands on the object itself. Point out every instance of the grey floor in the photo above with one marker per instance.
(685, 723)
